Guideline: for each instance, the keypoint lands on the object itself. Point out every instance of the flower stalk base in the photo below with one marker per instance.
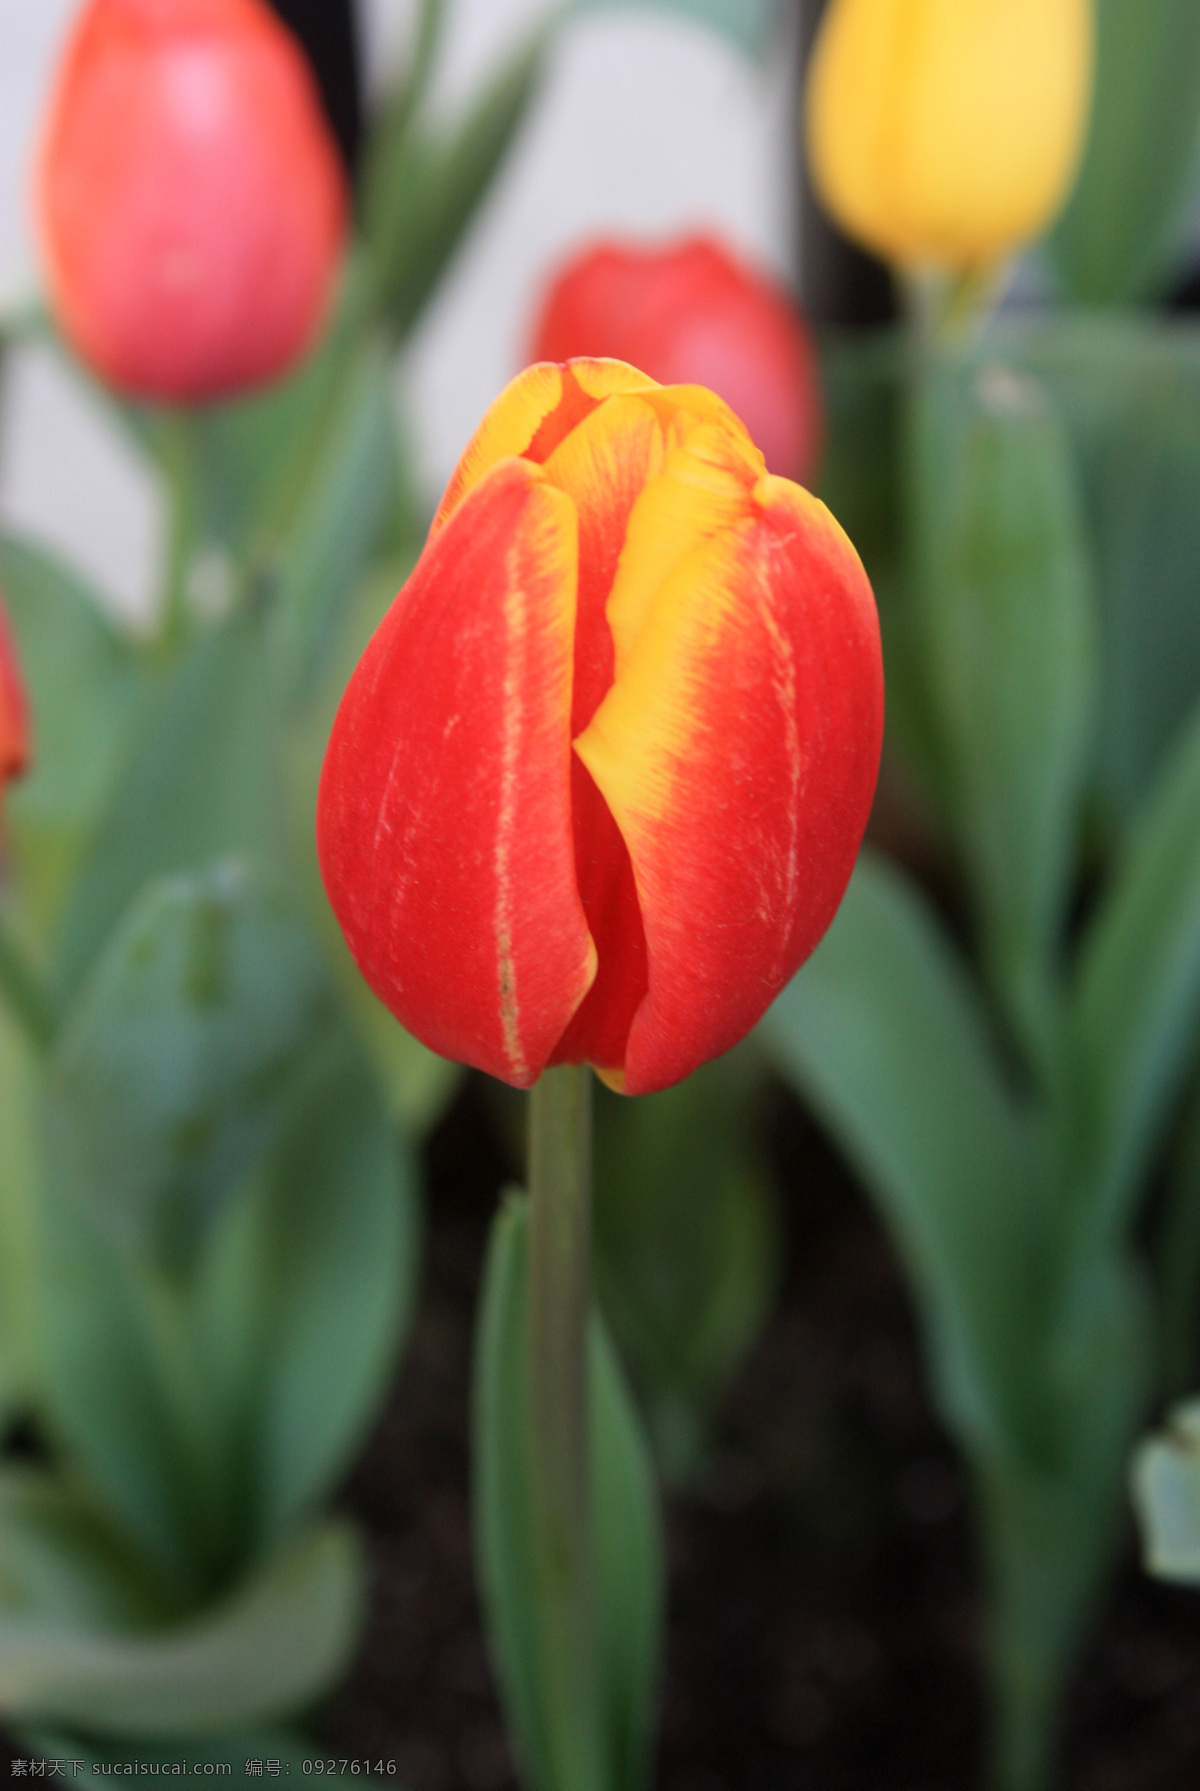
(560, 1142)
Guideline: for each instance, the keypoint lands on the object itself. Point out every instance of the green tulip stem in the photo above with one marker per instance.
(23, 993)
(178, 451)
(560, 1145)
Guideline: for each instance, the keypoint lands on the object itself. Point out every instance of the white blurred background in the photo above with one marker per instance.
(648, 125)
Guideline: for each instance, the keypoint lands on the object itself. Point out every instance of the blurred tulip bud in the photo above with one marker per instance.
(948, 133)
(689, 314)
(597, 785)
(14, 710)
(189, 196)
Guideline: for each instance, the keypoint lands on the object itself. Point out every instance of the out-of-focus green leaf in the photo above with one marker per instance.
(421, 188)
(627, 1544)
(1135, 1011)
(352, 497)
(60, 1564)
(883, 1034)
(1129, 391)
(307, 1296)
(1166, 1495)
(749, 24)
(1111, 242)
(200, 784)
(224, 1307)
(87, 688)
(278, 1641)
(168, 1078)
(1050, 1520)
(687, 1245)
(20, 1264)
(1003, 586)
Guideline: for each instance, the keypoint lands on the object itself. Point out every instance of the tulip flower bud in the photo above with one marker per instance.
(948, 133)
(14, 711)
(189, 196)
(689, 314)
(597, 785)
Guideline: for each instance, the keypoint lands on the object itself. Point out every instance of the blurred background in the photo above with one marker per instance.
(648, 123)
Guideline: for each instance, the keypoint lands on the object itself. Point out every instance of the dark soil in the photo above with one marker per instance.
(824, 1612)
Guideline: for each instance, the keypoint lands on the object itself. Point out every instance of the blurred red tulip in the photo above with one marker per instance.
(189, 195)
(597, 786)
(14, 711)
(689, 314)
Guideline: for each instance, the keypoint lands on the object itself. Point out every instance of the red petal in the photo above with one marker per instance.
(14, 711)
(444, 816)
(738, 751)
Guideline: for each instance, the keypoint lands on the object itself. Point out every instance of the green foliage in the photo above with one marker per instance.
(1007, 1120)
(87, 686)
(687, 1245)
(1113, 241)
(165, 1082)
(230, 1233)
(72, 1653)
(1129, 392)
(423, 185)
(626, 1540)
(1001, 590)
(1136, 1006)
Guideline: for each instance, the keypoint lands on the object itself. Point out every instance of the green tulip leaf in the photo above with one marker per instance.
(269, 1648)
(1166, 1496)
(320, 1262)
(167, 1080)
(627, 1545)
(1131, 395)
(1135, 1013)
(224, 1306)
(200, 784)
(1009, 651)
(883, 1034)
(351, 500)
(687, 1245)
(20, 1265)
(422, 186)
(87, 688)
(61, 1563)
(1113, 240)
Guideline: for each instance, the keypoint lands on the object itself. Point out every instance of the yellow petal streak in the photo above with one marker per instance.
(703, 490)
(646, 723)
(507, 429)
(549, 542)
(608, 378)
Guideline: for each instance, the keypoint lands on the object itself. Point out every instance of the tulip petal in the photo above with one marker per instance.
(508, 427)
(14, 713)
(703, 490)
(737, 751)
(533, 414)
(444, 816)
(603, 466)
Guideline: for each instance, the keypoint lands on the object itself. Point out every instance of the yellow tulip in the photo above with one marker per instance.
(948, 132)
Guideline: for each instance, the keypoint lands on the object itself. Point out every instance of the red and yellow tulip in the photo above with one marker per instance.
(14, 710)
(596, 788)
